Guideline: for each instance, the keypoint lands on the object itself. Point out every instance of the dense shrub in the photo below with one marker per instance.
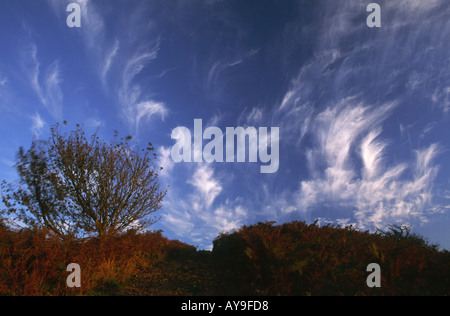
(33, 263)
(263, 259)
(301, 259)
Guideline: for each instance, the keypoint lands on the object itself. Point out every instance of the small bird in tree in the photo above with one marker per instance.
(74, 185)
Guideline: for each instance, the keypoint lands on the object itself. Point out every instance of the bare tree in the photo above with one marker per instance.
(78, 185)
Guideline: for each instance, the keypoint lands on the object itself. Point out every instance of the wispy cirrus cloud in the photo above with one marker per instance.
(417, 5)
(350, 90)
(121, 59)
(336, 111)
(108, 61)
(209, 188)
(37, 125)
(46, 84)
(349, 171)
(4, 92)
(135, 105)
(199, 215)
(253, 117)
(165, 161)
(92, 21)
(3, 80)
(219, 67)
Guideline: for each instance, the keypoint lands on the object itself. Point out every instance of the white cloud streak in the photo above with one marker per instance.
(349, 172)
(109, 61)
(331, 114)
(207, 187)
(47, 86)
(120, 59)
(37, 125)
(130, 96)
(3, 81)
(165, 161)
(219, 67)
(198, 216)
(4, 93)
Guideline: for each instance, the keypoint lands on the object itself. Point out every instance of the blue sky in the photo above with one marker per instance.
(363, 112)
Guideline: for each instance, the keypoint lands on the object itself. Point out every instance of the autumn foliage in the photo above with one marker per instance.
(73, 184)
(263, 259)
(301, 259)
(32, 263)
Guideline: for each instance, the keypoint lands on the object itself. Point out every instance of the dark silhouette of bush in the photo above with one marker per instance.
(232, 265)
(401, 233)
(301, 259)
